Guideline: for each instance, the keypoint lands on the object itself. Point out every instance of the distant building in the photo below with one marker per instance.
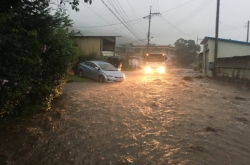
(141, 50)
(227, 48)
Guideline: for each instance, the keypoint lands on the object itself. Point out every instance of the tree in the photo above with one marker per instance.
(186, 51)
(74, 3)
(36, 51)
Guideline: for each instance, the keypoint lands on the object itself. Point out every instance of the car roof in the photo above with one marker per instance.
(94, 61)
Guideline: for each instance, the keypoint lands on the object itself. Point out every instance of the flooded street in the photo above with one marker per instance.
(179, 118)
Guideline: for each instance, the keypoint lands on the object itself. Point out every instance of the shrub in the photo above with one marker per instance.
(36, 52)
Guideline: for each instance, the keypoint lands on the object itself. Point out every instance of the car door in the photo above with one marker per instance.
(93, 71)
(86, 68)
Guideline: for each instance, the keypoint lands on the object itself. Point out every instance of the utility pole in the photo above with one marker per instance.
(216, 37)
(149, 21)
(198, 39)
(247, 30)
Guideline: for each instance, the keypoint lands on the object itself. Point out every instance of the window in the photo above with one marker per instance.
(93, 65)
(88, 63)
(206, 47)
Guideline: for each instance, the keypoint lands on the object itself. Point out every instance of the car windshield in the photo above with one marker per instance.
(107, 67)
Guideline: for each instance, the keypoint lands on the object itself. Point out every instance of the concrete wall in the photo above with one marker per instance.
(89, 45)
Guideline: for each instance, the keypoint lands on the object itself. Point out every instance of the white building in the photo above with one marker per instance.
(226, 48)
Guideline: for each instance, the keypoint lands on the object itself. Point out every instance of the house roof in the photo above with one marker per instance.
(225, 40)
(79, 34)
(90, 34)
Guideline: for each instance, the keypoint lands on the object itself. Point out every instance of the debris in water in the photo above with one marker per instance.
(187, 78)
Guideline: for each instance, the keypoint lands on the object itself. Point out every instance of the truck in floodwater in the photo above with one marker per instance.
(156, 63)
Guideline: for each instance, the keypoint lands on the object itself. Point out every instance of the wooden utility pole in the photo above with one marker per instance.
(216, 37)
(247, 30)
(149, 21)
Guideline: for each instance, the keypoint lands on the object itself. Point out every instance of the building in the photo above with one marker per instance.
(141, 50)
(227, 48)
(125, 50)
(99, 45)
(165, 49)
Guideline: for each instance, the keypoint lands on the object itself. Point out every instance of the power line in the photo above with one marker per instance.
(149, 20)
(126, 15)
(121, 21)
(109, 24)
(97, 14)
(116, 8)
(177, 7)
(132, 9)
(194, 12)
(175, 27)
(158, 5)
(121, 15)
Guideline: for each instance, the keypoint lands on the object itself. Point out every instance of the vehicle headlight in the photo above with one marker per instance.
(161, 70)
(148, 69)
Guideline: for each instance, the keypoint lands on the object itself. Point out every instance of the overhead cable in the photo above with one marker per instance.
(121, 21)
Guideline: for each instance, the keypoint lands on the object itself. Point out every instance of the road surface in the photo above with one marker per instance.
(177, 118)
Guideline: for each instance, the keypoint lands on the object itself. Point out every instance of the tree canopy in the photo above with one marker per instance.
(74, 3)
(186, 51)
(36, 51)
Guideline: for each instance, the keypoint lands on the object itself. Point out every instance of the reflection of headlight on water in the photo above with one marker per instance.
(161, 70)
(148, 69)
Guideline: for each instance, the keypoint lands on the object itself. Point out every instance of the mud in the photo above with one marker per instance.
(178, 118)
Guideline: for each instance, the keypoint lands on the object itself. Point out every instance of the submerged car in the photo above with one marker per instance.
(100, 71)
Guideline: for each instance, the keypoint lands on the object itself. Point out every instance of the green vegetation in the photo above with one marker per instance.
(36, 53)
(186, 52)
(76, 78)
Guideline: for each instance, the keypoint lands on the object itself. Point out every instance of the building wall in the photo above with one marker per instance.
(109, 47)
(225, 49)
(89, 45)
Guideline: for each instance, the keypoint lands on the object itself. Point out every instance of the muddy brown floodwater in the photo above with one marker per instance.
(178, 118)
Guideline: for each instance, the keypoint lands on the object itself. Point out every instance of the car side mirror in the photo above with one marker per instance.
(97, 68)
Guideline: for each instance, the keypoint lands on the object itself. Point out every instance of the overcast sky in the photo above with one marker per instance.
(187, 19)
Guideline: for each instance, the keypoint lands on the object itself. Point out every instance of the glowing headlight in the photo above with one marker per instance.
(148, 69)
(161, 70)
